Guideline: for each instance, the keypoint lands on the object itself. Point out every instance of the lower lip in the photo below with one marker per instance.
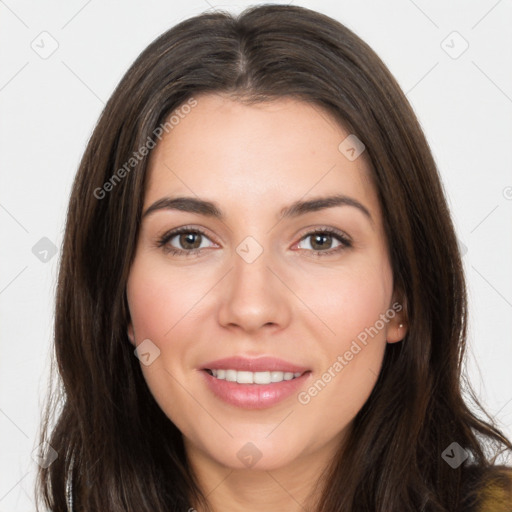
(254, 396)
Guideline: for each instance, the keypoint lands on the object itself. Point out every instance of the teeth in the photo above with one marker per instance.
(245, 377)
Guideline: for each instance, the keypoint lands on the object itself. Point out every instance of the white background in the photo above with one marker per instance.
(49, 108)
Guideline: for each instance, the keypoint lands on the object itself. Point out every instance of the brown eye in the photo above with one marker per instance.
(321, 242)
(190, 240)
(185, 241)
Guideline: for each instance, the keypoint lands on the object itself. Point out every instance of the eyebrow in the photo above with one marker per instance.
(210, 209)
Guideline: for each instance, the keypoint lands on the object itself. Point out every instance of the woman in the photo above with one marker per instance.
(261, 302)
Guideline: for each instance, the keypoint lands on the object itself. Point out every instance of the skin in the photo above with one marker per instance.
(252, 161)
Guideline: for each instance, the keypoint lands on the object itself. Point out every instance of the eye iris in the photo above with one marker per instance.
(187, 238)
(322, 238)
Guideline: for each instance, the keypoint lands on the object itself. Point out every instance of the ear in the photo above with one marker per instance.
(398, 325)
(129, 331)
(131, 334)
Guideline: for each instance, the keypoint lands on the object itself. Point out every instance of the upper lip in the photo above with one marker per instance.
(259, 364)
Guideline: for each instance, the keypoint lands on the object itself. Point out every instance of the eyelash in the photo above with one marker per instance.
(164, 240)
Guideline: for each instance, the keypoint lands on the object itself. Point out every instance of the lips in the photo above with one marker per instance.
(256, 395)
(260, 364)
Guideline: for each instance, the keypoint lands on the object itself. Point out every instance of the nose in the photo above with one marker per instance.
(254, 295)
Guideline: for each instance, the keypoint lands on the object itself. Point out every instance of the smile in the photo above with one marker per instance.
(254, 390)
(246, 377)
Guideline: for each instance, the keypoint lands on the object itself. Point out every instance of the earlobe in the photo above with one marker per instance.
(398, 327)
(396, 332)
(130, 333)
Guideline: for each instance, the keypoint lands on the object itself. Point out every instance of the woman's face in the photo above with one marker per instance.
(286, 288)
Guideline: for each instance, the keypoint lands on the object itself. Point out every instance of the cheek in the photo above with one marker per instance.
(159, 299)
(161, 304)
(356, 309)
(353, 301)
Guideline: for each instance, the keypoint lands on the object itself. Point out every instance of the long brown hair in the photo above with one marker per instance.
(117, 450)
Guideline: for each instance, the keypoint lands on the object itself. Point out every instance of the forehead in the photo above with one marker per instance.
(261, 155)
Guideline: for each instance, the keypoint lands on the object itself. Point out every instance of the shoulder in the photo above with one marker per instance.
(495, 490)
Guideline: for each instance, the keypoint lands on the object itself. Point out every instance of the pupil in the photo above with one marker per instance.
(321, 237)
(189, 239)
